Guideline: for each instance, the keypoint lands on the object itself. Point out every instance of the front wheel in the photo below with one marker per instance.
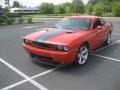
(82, 55)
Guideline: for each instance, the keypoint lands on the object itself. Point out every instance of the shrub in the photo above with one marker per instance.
(13, 20)
(10, 21)
(13, 15)
(29, 20)
(2, 20)
(20, 20)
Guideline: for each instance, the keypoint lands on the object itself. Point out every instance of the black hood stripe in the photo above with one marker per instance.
(51, 33)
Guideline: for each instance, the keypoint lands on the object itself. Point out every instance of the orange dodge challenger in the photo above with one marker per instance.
(69, 41)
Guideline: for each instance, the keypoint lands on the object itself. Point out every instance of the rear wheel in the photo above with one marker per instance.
(82, 55)
(108, 41)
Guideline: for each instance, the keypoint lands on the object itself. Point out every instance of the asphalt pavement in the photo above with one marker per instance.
(19, 72)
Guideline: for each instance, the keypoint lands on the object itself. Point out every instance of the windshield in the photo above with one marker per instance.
(74, 24)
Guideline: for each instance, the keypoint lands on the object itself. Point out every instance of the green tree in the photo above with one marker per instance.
(78, 6)
(67, 10)
(107, 4)
(67, 4)
(56, 9)
(7, 2)
(116, 8)
(6, 11)
(62, 9)
(89, 8)
(47, 8)
(16, 4)
(93, 2)
(98, 9)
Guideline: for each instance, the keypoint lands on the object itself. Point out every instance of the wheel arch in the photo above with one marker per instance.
(86, 43)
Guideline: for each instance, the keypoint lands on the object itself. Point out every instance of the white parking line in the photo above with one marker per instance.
(26, 80)
(106, 46)
(113, 59)
(24, 75)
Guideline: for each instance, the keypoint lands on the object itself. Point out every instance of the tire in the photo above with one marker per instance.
(108, 40)
(31, 55)
(82, 55)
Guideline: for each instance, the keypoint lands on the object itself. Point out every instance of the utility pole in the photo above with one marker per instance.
(7, 2)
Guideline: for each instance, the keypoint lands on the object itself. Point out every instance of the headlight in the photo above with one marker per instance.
(62, 48)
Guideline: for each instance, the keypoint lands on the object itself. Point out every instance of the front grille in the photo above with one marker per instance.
(41, 45)
(46, 60)
(42, 57)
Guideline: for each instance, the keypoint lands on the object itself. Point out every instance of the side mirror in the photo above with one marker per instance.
(99, 27)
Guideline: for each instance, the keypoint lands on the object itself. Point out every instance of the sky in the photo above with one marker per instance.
(34, 3)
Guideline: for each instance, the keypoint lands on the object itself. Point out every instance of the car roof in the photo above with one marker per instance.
(85, 16)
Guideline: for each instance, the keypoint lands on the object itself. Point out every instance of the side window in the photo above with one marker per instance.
(97, 22)
(102, 21)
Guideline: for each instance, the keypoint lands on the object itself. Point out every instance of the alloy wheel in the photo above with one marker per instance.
(82, 55)
(109, 39)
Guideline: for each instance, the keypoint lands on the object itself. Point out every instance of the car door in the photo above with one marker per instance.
(98, 32)
(103, 30)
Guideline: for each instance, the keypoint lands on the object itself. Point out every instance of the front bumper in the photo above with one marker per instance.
(58, 57)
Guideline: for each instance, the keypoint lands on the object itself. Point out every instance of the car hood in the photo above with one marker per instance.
(56, 35)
